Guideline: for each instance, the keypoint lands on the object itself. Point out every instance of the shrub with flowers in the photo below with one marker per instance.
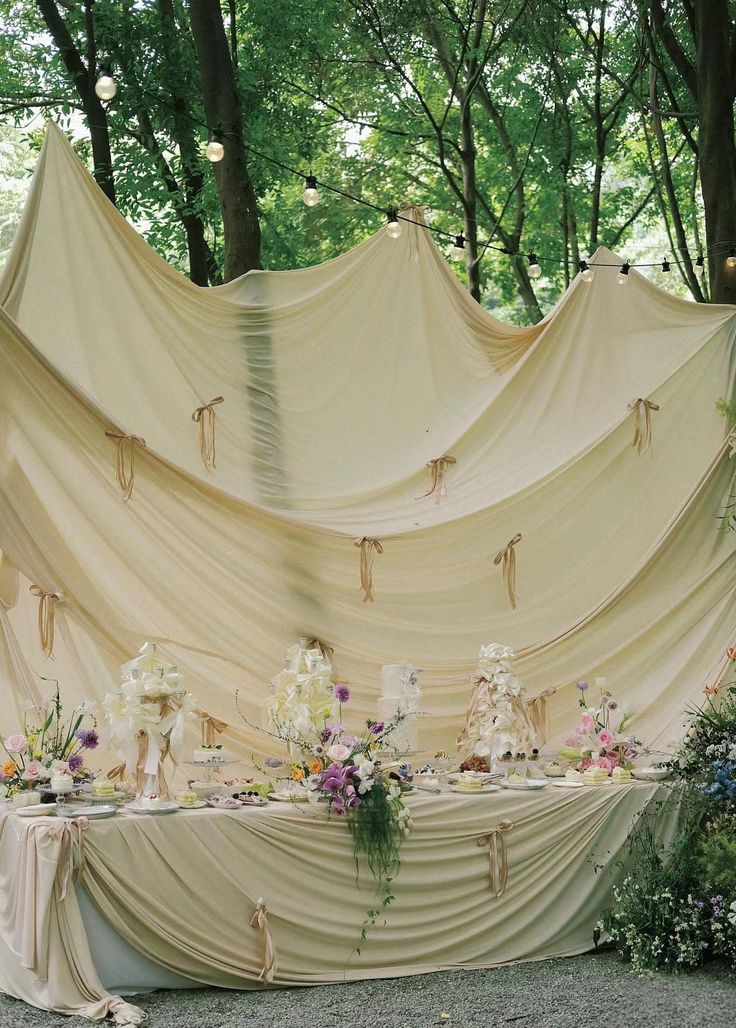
(600, 738)
(48, 743)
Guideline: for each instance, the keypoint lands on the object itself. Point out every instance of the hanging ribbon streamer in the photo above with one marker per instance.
(117, 774)
(205, 417)
(539, 710)
(368, 548)
(46, 602)
(260, 922)
(508, 556)
(211, 727)
(438, 467)
(478, 701)
(643, 434)
(70, 866)
(126, 460)
(495, 840)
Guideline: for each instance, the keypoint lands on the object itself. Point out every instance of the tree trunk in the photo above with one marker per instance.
(467, 154)
(84, 78)
(716, 142)
(223, 113)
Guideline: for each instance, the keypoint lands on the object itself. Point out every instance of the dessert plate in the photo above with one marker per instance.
(475, 792)
(650, 774)
(93, 813)
(169, 808)
(36, 810)
(193, 806)
(528, 785)
(565, 783)
(288, 797)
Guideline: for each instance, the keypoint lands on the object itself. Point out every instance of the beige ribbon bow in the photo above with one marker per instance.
(117, 773)
(495, 840)
(70, 866)
(368, 548)
(643, 434)
(46, 603)
(126, 460)
(508, 556)
(210, 727)
(539, 710)
(205, 417)
(438, 468)
(260, 921)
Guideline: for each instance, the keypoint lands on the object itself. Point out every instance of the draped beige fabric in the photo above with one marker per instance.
(183, 890)
(340, 384)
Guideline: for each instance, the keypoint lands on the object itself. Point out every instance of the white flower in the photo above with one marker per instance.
(732, 915)
(365, 785)
(338, 752)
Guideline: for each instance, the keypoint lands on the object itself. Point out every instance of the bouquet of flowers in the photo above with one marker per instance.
(600, 738)
(48, 743)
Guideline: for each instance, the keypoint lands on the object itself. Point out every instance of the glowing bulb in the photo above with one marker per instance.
(106, 87)
(699, 266)
(534, 270)
(731, 259)
(587, 274)
(665, 266)
(393, 229)
(457, 252)
(215, 151)
(310, 196)
(623, 276)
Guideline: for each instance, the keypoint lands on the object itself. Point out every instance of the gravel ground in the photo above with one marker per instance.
(592, 991)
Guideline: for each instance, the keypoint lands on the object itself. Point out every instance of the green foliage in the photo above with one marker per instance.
(376, 832)
(715, 860)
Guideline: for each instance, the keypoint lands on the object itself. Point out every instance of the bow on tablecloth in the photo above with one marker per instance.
(260, 921)
(495, 840)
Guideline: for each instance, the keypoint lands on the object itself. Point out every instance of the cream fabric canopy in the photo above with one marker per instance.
(340, 383)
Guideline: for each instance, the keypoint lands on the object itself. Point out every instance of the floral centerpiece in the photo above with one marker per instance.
(49, 743)
(600, 738)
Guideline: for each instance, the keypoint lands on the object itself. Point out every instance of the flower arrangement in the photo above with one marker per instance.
(48, 743)
(600, 738)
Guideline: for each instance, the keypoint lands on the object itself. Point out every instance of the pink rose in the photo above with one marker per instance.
(585, 764)
(16, 744)
(338, 752)
(587, 724)
(606, 738)
(606, 763)
(34, 771)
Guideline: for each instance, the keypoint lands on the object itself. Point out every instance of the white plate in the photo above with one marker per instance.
(528, 785)
(565, 783)
(650, 774)
(288, 797)
(36, 810)
(482, 775)
(91, 812)
(235, 805)
(168, 809)
(475, 792)
(193, 806)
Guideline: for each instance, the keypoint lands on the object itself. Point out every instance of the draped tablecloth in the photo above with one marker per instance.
(182, 890)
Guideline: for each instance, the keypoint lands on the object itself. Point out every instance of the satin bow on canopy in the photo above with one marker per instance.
(643, 432)
(368, 547)
(438, 467)
(46, 604)
(125, 469)
(205, 417)
(507, 556)
(495, 840)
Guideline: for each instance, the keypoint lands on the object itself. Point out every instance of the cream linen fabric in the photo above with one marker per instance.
(182, 889)
(340, 383)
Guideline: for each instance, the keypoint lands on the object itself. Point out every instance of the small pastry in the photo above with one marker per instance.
(572, 775)
(595, 776)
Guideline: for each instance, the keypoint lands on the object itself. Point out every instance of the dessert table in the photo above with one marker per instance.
(271, 895)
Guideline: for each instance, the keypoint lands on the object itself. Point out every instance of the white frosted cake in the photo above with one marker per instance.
(210, 755)
(400, 694)
(154, 802)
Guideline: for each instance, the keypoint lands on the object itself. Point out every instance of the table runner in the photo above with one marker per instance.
(182, 890)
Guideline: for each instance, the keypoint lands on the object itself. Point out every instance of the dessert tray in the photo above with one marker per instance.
(487, 787)
(193, 806)
(137, 808)
(289, 797)
(528, 785)
(93, 813)
(36, 810)
(565, 783)
(223, 803)
(650, 774)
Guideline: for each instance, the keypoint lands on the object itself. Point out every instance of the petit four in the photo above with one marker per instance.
(187, 798)
(595, 776)
(103, 788)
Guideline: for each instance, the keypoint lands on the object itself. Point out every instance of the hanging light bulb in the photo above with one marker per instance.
(587, 274)
(457, 251)
(623, 276)
(534, 270)
(105, 87)
(215, 151)
(699, 266)
(731, 259)
(665, 266)
(394, 226)
(310, 196)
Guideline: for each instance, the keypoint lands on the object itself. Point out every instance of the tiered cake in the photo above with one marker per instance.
(400, 695)
(498, 721)
(301, 693)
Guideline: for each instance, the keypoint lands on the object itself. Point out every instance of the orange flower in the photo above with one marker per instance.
(731, 654)
(315, 767)
(712, 690)
(10, 768)
(297, 774)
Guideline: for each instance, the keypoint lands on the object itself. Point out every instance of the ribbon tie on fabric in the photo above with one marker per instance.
(205, 417)
(260, 922)
(495, 840)
(368, 548)
(71, 852)
(46, 602)
(508, 556)
(643, 433)
(327, 652)
(539, 710)
(117, 773)
(438, 468)
(126, 460)
(211, 726)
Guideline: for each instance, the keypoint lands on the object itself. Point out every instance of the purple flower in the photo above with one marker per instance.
(330, 730)
(338, 806)
(76, 762)
(349, 741)
(582, 686)
(88, 737)
(342, 692)
(376, 727)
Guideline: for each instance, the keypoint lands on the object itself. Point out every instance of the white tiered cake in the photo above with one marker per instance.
(400, 695)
